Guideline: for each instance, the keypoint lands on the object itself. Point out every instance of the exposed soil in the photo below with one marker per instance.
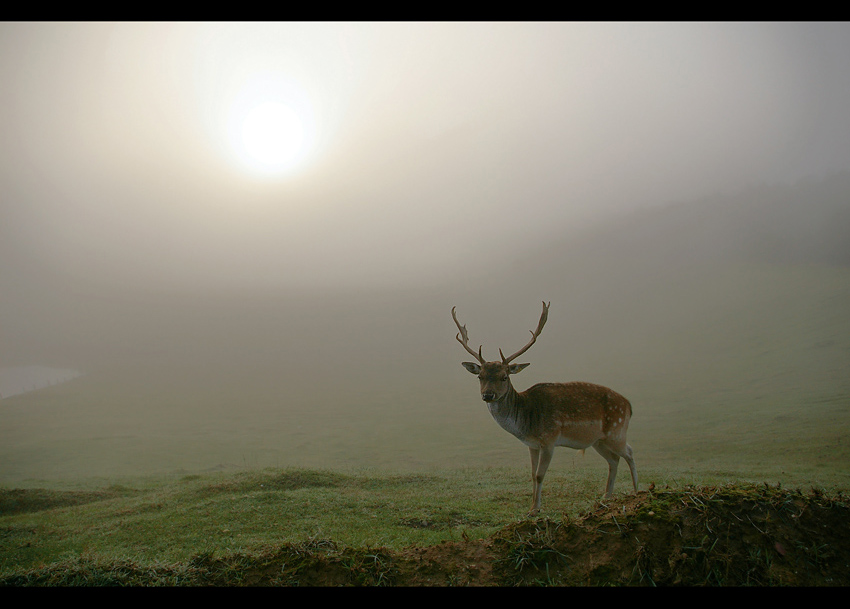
(700, 536)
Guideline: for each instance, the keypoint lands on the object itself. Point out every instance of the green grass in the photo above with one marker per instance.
(224, 527)
(166, 521)
(171, 521)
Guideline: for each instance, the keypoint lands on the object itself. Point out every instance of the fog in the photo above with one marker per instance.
(602, 166)
(434, 142)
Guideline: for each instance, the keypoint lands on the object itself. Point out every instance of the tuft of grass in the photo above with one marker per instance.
(531, 553)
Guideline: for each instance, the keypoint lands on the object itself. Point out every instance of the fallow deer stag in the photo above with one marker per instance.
(547, 415)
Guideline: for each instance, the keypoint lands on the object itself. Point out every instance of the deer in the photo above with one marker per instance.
(575, 414)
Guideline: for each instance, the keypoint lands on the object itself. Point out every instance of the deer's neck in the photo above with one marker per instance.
(513, 413)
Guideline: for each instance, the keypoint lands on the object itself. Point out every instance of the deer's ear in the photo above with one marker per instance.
(514, 368)
(472, 367)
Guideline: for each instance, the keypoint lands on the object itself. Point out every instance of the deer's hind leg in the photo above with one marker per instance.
(629, 457)
(612, 456)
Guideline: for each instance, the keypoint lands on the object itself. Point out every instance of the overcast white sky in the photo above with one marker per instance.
(428, 145)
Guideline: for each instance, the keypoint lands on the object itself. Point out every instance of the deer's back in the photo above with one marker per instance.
(578, 401)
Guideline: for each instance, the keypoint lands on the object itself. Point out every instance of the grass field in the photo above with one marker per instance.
(163, 527)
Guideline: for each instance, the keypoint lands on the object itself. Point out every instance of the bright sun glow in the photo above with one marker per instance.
(273, 135)
(271, 127)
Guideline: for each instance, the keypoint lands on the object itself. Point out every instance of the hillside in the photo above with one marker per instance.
(720, 342)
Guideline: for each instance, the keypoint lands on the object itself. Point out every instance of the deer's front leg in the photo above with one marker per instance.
(540, 459)
(535, 458)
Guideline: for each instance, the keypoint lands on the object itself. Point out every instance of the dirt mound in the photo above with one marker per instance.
(721, 536)
(699, 536)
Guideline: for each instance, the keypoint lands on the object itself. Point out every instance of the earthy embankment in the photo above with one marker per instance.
(714, 536)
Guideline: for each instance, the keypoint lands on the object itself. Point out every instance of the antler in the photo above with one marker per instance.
(534, 334)
(465, 341)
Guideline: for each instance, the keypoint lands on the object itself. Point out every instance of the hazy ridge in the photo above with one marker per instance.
(729, 313)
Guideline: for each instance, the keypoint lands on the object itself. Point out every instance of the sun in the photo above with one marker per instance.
(273, 136)
(271, 131)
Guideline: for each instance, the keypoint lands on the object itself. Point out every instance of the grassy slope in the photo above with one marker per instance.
(155, 532)
(156, 520)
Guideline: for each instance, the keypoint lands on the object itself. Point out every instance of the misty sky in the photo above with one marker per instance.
(424, 148)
